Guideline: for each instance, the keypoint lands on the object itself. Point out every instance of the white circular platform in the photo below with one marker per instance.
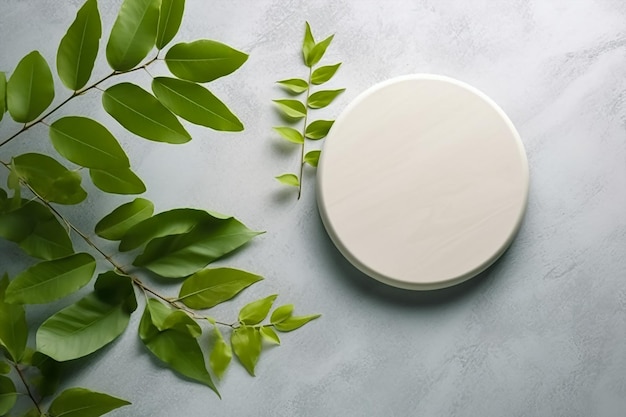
(422, 182)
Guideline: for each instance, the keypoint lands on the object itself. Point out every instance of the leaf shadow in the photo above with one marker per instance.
(283, 148)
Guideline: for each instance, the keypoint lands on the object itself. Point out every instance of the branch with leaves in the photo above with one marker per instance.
(295, 110)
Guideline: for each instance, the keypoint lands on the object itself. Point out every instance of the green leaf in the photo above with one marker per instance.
(221, 354)
(13, 326)
(165, 318)
(117, 181)
(323, 98)
(8, 395)
(246, 342)
(133, 34)
(203, 60)
(270, 335)
(79, 47)
(319, 50)
(256, 311)
(33, 412)
(289, 179)
(50, 374)
(142, 114)
(82, 328)
(170, 17)
(87, 143)
(293, 323)
(318, 129)
(324, 74)
(307, 45)
(312, 158)
(80, 402)
(291, 108)
(116, 289)
(50, 280)
(195, 104)
(282, 313)
(3, 94)
(210, 287)
(292, 135)
(5, 368)
(294, 85)
(30, 89)
(114, 225)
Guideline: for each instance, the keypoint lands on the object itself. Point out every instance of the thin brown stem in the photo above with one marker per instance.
(306, 116)
(30, 393)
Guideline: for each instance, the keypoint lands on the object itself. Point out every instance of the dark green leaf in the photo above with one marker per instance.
(323, 98)
(79, 47)
(221, 355)
(3, 94)
(133, 33)
(209, 287)
(142, 114)
(282, 313)
(293, 323)
(270, 335)
(195, 104)
(30, 89)
(289, 179)
(292, 135)
(291, 108)
(80, 402)
(246, 342)
(5, 368)
(307, 45)
(117, 181)
(13, 327)
(319, 49)
(87, 143)
(50, 374)
(318, 129)
(312, 158)
(8, 395)
(294, 85)
(203, 60)
(33, 412)
(114, 225)
(170, 17)
(50, 280)
(116, 289)
(324, 74)
(256, 311)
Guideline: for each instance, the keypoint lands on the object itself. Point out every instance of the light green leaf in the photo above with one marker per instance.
(50, 374)
(5, 368)
(114, 225)
(195, 104)
(293, 323)
(246, 343)
(13, 326)
(116, 289)
(8, 395)
(50, 280)
(133, 33)
(203, 60)
(3, 94)
(312, 158)
(165, 318)
(79, 47)
(291, 108)
(210, 287)
(282, 313)
(170, 17)
(30, 89)
(318, 129)
(323, 98)
(292, 135)
(142, 114)
(117, 181)
(289, 179)
(221, 354)
(270, 335)
(51, 180)
(324, 74)
(256, 311)
(307, 45)
(319, 50)
(80, 402)
(87, 143)
(294, 85)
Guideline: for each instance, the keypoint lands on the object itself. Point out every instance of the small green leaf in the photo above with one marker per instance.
(117, 181)
(312, 158)
(256, 311)
(3, 94)
(307, 45)
(114, 225)
(170, 17)
(294, 85)
(116, 289)
(323, 98)
(318, 129)
(270, 335)
(13, 326)
(292, 135)
(133, 34)
(210, 287)
(324, 74)
(142, 114)
(246, 343)
(30, 89)
(166, 318)
(50, 374)
(203, 60)
(282, 313)
(8, 395)
(79, 47)
(80, 402)
(50, 280)
(319, 50)
(291, 108)
(289, 179)
(5, 368)
(293, 323)
(221, 354)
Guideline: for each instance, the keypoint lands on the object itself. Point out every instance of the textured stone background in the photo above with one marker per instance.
(541, 333)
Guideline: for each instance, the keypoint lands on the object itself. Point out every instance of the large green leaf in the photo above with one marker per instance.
(281, 313)
(117, 181)
(116, 289)
(30, 89)
(293, 109)
(318, 51)
(318, 129)
(114, 225)
(170, 17)
(294, 85)
(323, 74)
(270, 335)
(166, 318)
(195, 104)
(50, 374)
(51, 180)
(13, 326)
(3, 94)
(289, 133)
(8, 395)
(312, 158)
(209, 287)
(323, 98)
(307, 44)
(256, 311)
(79, 47)
(203, 60)
(289, 179)
(50, 280)
(142, 114)
(80, 402)
(87, 143)
(247, 345)
(5, 368)
(221, 354)
(292, 323)
(133, 33)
